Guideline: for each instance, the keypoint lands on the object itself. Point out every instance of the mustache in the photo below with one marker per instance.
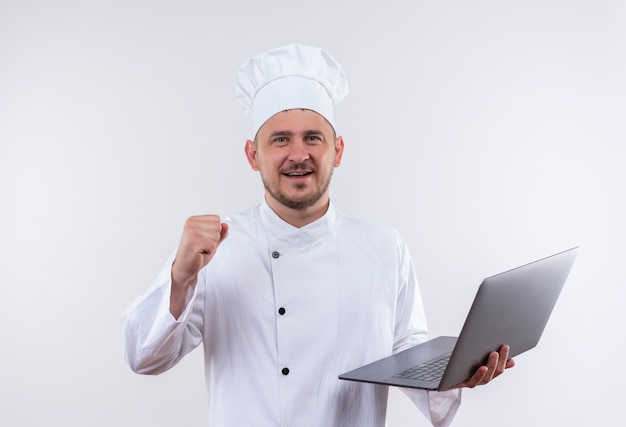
(304, 166)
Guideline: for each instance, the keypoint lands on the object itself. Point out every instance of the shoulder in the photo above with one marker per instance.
(245, 219)
(244, 226)
(360, 223)
(359, 229)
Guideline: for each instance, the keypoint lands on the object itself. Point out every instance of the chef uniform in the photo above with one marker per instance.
(282, 311)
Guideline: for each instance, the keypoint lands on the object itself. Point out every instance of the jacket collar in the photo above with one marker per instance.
(276, 228)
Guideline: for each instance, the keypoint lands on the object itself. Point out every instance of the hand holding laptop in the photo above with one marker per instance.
(497, 362)
(509, 313)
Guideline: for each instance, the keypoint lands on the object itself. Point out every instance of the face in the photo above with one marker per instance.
(295, 152)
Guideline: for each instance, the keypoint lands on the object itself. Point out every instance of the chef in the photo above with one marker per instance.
(291, 293)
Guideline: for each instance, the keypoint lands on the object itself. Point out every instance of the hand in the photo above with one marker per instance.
(497, 362)
(201, 237)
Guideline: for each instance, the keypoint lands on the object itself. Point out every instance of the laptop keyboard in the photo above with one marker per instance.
(428, 371)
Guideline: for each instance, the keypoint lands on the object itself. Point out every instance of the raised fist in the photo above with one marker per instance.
(201, 237)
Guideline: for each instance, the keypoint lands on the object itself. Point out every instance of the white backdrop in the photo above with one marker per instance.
(488, 133)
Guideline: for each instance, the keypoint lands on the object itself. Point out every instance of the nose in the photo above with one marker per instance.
(299, 152)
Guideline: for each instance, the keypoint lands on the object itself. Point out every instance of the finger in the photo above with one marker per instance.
(492, 366)
(202, 235)
(502, 360)
(201, 228)
(510, 363)
(223, 232)
(204, 227)
(474, 380)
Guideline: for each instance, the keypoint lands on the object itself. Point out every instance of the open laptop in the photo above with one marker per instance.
(509, 308)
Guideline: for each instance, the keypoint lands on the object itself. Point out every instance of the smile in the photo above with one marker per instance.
(298, 173)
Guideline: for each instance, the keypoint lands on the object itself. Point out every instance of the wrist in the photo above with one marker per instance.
(181, 280)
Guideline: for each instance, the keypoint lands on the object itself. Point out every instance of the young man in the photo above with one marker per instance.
(288, 295)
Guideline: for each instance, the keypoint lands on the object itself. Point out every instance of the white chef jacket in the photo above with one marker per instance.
(282, 311)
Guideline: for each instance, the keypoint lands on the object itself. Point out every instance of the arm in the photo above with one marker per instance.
(165, 323)
(438, 407)
(201, 237)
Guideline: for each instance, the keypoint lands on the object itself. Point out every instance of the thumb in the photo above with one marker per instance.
(223, 232)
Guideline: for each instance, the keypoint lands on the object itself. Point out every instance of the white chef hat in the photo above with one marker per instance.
(293, 76)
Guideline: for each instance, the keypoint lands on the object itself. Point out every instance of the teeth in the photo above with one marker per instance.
(298, 173)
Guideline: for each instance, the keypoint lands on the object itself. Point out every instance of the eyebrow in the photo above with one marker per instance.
(291, 134)
(280, 133)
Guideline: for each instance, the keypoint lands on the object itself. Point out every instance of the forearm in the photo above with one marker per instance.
(179, 293)
(153, 339)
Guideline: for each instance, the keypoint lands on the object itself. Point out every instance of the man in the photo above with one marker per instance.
(288, 295)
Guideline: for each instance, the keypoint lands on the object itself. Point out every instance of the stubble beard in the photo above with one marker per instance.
(298, 204)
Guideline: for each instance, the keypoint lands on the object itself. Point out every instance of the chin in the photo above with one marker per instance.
(299, 203)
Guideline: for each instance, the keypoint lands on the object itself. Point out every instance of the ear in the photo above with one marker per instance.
(251, 155)
(338, 150)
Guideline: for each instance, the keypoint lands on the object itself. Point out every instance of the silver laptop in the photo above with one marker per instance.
(509, 308)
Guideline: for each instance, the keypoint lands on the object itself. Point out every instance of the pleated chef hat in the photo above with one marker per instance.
(293, 76)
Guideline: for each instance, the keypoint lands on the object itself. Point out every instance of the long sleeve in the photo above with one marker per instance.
(438, 407)
(286, 311)
(152, 340)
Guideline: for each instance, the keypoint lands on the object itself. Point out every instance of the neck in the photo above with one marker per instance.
(299, 217)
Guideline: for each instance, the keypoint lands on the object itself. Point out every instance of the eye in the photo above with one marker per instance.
(313, 138)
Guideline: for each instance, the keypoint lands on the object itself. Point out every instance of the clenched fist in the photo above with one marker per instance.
(201, 237)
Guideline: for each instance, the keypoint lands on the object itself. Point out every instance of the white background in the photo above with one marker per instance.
(489, 133)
